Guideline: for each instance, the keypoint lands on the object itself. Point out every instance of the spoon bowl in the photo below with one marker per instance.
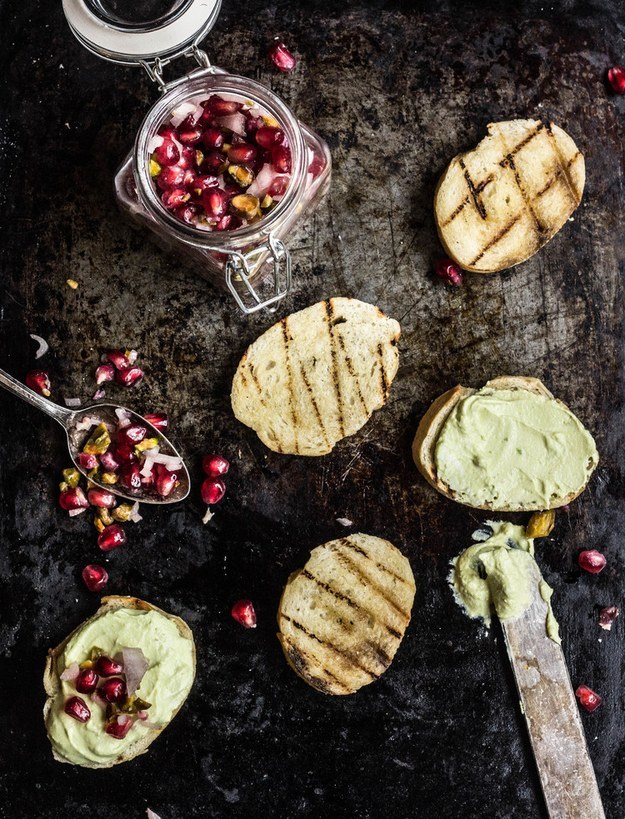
(78, 430)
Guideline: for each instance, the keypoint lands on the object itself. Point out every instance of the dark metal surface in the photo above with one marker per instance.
(396, 92)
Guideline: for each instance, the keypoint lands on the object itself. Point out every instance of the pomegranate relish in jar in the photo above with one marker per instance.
(220, 163)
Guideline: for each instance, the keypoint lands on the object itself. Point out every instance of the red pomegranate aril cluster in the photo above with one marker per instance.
(447, 270)
(592, 561)
(77, 708)
(588, 699)
(213, 487)
(221, 149)
(95, 577)
(243, 612)
(616, 78)
(39, 382)
(281, 57)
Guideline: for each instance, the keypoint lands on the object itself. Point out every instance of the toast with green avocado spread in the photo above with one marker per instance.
(116, 682)
(498, 204)
(509, 447)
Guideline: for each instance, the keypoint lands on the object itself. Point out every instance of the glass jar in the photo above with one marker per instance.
(251, 261)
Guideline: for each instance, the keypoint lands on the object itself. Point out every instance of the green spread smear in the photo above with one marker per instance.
(499, 572)
(165, 684)
(513, 449)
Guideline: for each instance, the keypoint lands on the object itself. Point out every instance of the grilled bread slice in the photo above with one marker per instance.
(496, 205)
(433, 422)
(317, 376)
(140, 737)
(343, 616)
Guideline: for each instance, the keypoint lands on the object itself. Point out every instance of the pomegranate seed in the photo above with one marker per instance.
(113, 689)
(448, 271)
(281, 57)
(87, 681)
(109, 462)
(278, 186)
(132, 434)
(616, 78)
(105, 372)
(111, 537)
(213, 138)
(119, 726)
(175, 198)
(167, 153)
(130, 476)
(591, 561)
(214, 162)
(95, 577)
(101, 498)
(130, 376)
(215, 202)
(215, 465)
(170, 178)
(118, 359)
(252, 123)
(126, 453)
(213, 490)
(268, 137)
(205, 182)
(189, 136)
(76, 707)
(165, 481)
(87, 461)
(186, 214)
(219, 107)
(316, 166)
(242, 154)
(607, 616)
(588, 699)
(107, 667)
(243, 612)
(188, 158)
(229, 222)
(158, 420)
(39, 382)
(281, 158)
(73, 498)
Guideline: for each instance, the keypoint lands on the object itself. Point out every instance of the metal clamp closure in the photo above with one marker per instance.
(238, 269)
(154, 69)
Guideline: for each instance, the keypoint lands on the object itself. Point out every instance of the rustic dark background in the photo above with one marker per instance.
(396, 91)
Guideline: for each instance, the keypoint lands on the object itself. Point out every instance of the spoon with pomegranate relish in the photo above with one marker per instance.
(116, 449)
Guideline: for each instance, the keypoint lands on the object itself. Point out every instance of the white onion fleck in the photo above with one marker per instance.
(155, 143)
(43, 345)
(208, 516)
(123, 416)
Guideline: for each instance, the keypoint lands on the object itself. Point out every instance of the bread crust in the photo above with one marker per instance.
(52, 681)
(431, 425)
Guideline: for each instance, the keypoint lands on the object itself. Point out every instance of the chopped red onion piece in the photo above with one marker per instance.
(344, 521)
(99, 394)
(233, 122)
(135, 517)
(155, 143)
(124, 417)
(170, 461)
(208, 516)
(87, 422)
(180, 113)
(73, 512)
(135, 665)
(263, 181)
(71, 672)
(43, 345)
(132, 356)
(152, 815)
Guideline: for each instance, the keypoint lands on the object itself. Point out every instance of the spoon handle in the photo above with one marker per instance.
(60, 414)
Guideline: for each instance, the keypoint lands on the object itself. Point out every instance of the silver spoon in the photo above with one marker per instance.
(69, 419)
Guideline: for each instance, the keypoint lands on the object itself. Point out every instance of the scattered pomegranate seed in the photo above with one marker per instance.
(107, 667)
(111, 537)
(189, 136)
(87, 461)
(268, 137)
(130, 476)
(591, 561)
(130, 376)
(213, 138)
(215, 465)
(167, 153)
(281, 57)
(126, 453)
(39, 382)
(607, 616)
(165, 481)
(76, 707)
(118, 359)
(171, 177)
(132, 434)
(101, 498)
(448, 271)
(119, 726)
(95, 577)
(113, 689)
(242, 154)
(158, 420)
(243, 612)
(616, 78)
(105, 372)
(213, 490)
(588, 699)
(87, 681)
(215, 202)
(73, 498)
(109, 462)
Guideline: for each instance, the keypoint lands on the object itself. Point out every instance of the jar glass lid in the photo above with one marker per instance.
(157, 28)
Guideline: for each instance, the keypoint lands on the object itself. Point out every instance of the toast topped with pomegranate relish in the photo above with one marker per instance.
(508, 447)
(343, 616)
(317, 376)
(498, 204)
(116, 682)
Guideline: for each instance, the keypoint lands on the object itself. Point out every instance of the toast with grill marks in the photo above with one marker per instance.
(432, 423)
(497, 205)
(343, 616)
(317, 376)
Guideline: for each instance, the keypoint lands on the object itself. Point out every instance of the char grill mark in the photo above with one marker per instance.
(315, 406)
(346, 541)
(475, 193)
(286, 337)
(496, 239)
(335, 365)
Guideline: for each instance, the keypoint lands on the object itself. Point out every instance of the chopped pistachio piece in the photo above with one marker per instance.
(155, 168)
(122, 512)
(72, 476)
(99, 441)
(541, 524)
(241, 175)
(72, 283)
(109, 478)
(270, 122)
(246, 205)
(99, 523)
(147, 443)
